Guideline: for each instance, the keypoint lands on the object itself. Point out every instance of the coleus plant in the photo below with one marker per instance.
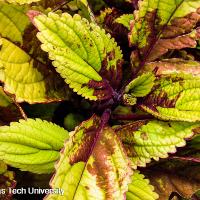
(143, 102)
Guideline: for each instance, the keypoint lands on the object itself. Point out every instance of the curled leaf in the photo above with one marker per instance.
(89, 60)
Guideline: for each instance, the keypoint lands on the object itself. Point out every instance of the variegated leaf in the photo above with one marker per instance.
(176, 94)
(108, 20)
(163, 25)
(50, 4)
(146, 140)
(172, 66)
(89, 60)
(28, 79)
(93, 165)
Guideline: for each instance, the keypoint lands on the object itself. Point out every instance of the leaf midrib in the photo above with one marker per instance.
(99, 131)
(159, 35)
(74, 51)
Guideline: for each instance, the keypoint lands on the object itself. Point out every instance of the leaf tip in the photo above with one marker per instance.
(32, 14)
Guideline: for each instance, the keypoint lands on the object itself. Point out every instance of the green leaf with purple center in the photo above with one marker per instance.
(146, 140)
(89, 60)
(176, 93)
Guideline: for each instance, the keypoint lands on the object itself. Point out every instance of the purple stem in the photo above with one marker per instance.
(105, 118)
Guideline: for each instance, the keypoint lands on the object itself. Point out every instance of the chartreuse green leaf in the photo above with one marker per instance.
(26, 78)
(160, 26)
(20, 1)
(93, 165)
(31, 145)
(89, 60)
(176, 95)
(13, 21)
(139, 87)
(140, 188)
(146, 140)
(125, 20)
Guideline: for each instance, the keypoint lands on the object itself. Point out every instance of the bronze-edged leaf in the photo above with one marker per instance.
(93, 164)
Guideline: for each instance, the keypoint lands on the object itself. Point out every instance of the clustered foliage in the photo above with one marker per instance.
(99, 93)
